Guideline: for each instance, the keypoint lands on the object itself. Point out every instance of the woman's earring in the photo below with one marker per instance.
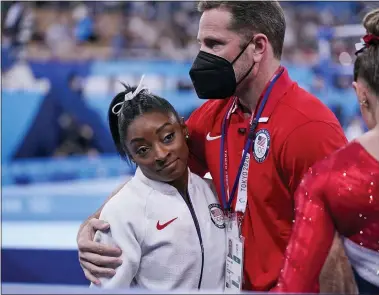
(187, 136)
(364, 103)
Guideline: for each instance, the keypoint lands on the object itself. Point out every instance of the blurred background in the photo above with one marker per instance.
(60, 65)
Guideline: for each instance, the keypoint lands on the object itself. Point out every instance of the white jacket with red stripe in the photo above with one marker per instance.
(166, 243)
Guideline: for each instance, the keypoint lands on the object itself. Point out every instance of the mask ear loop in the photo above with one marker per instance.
(243, 50)
(238, 56)
(129, 96)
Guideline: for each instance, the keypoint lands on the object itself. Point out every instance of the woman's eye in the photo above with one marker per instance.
(168, 138)
(142, 151)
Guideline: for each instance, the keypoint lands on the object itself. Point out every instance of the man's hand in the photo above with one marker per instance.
(95, 258)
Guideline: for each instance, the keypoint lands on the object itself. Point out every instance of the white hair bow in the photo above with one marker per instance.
(129, 96)
(360, 45)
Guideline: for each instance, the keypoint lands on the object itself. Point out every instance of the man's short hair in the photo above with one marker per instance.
(249, 17)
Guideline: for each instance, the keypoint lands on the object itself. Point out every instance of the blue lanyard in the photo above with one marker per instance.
(250, 139)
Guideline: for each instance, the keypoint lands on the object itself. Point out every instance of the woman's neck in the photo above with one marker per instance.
(181, 184)
(370, 141)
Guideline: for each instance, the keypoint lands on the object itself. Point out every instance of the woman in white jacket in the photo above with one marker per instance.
(166, 220)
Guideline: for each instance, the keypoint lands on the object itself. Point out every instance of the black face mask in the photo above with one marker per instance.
(213, 76)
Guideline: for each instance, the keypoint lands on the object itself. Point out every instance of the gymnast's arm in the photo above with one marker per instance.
(311, 239)
(127, 231)
(97, 259)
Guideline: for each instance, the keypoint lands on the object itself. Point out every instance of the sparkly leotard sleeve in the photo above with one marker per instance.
(340, 193)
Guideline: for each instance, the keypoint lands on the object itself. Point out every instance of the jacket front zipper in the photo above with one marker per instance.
(196, 222)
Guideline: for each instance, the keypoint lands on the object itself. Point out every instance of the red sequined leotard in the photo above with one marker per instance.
(340, 193)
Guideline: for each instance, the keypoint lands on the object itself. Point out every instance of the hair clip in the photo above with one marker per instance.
(129, 96)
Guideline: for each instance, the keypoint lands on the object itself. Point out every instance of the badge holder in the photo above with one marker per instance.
(234, 256)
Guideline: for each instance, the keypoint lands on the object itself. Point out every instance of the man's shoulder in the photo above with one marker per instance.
(302, 116)
(210, 110)
(299, 107)
(304, 106)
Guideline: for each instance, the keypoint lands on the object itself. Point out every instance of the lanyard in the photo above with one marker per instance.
(245, 160)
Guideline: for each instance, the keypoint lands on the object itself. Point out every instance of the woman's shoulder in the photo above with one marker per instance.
(342, 158)
(204, 183)
(335, 165)
(131, 197)
(196, 179)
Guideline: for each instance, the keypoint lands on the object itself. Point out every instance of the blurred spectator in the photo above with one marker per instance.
(76, 84)
(319, 87)
(163, 30)
(84, 26)
(119, 43)
(167, 30)
(343, 81)
(337, 109)
(75, 139)
(18, 26)
(59, 37)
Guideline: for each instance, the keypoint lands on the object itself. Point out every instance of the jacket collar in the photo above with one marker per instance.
(162, 187)
(279, 89)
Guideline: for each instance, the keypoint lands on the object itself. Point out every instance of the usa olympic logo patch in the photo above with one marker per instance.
(217, 215)
(261, 145)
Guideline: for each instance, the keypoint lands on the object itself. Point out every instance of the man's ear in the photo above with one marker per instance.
(260, 47)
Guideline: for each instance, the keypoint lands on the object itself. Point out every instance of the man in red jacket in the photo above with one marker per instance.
(257, 134)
